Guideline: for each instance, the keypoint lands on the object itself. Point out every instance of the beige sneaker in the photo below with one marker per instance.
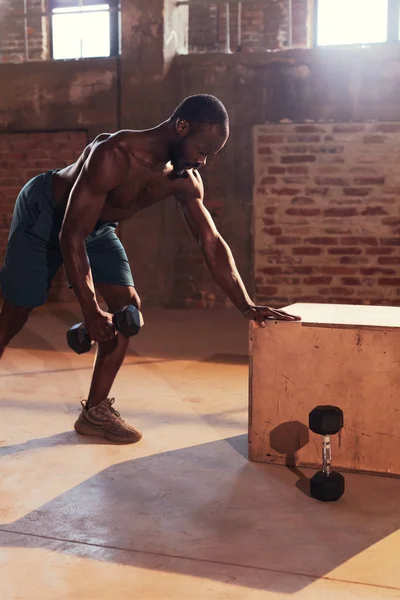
(104, 421)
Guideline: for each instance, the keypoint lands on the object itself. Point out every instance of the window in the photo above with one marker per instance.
(356, 21)
(84, 28)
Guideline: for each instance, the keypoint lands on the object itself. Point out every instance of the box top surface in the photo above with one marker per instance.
(345, 314)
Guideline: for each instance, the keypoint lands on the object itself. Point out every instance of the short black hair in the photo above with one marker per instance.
(203, 108)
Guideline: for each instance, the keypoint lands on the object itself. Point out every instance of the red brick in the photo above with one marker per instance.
(321, 240)
(340, 300)
(340, 212)
(392, 221)
(348, 128)
(389, 281)
(317, 191)
(290, 159)
(330, 149)
(380, 250)
(264, 150)
(390, 241)
(309, 129)
(276, 170)
(317, 280)
(285, 191)
(353, 260)
(297, 170)
(389, 260)
(294, 179)
(294, 149)
(323, 181)
(345, 291)
(271, 270)
(356, 191)
(369, 181)
(364, 240)
(309, 138)
(330, 169)
(374, 139)
(288, 240)
(392, 190)
(387, 127)
(271, 139)
(345, 251)
(303, 201)
(272, 230)
(375, 271)
(374, 211)
(307, 251)
(299, 270)
(268, 221)
(268, 180)
(339, 270)
(303, 212)
(270, 210)
(350, 281)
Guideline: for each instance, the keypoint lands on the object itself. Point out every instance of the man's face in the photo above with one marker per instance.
(197, 143)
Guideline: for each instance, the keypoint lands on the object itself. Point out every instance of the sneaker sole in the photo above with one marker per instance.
(86, 429)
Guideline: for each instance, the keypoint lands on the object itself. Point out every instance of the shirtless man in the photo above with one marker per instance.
(69, 216)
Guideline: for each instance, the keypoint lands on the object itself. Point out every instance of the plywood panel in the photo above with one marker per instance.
(295, 366)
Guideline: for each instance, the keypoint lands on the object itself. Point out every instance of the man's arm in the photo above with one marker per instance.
(102, 171)
(216, 252)
(219, 258)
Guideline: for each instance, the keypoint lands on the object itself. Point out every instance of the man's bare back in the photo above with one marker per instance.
(146, 181)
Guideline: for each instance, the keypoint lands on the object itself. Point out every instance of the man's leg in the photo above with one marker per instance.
(110, 355)
(12, 320)
(98, 418)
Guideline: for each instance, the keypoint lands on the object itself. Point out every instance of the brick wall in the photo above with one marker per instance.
(327, 213)
(264, 26)
(22, 156)
(23, 39)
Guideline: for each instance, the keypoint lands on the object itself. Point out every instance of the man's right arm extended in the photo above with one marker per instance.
(102, 171)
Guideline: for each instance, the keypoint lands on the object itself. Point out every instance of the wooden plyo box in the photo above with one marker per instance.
(347, 356)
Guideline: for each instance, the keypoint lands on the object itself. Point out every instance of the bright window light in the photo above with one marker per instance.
(351, 22)
(81, 32)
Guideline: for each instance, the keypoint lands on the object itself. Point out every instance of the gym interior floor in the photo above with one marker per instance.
(182, 514)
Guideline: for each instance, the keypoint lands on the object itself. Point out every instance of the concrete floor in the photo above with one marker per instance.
(182, 514)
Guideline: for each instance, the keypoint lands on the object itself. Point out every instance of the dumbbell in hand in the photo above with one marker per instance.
(127, 321)
(326, 485)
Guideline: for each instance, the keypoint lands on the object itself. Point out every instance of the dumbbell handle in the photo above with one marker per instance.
(326, 455)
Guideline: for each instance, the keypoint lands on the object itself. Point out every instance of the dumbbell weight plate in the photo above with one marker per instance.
(78, 340)
(326, 420)
(128, 321)
(327, 488)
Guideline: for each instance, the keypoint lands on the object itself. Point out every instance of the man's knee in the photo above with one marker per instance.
(119, 296)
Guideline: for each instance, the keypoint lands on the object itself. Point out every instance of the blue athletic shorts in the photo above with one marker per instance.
(33, 254)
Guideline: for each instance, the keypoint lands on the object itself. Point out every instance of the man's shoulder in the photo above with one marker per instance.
(191, 187)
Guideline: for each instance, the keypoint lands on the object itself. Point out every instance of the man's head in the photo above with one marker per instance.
(201, 128)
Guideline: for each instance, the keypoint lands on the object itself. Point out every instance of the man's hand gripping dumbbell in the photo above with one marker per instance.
(128, 322)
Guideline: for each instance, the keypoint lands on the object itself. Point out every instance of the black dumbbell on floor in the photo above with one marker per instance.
(128, 322)
(326, 485)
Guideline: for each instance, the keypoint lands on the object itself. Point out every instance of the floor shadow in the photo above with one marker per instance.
(206, 506)
(240, 444)
(66, 438)
(288, 438)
